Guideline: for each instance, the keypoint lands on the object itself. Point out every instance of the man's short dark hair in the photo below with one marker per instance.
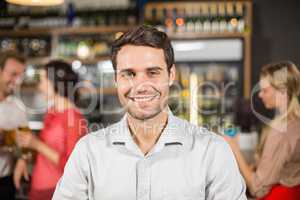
(4, 56)
(144, 36)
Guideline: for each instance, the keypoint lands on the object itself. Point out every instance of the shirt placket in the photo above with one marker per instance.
(143, 180)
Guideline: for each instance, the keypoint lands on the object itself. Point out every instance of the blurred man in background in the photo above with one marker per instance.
(12, 116)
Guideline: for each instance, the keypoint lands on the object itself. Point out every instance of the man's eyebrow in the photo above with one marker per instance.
(125, 70)
(148, 69)
(154, 68)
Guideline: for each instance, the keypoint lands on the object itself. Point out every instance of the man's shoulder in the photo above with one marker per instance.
(200, 134)
(100, 136)
(185, 126)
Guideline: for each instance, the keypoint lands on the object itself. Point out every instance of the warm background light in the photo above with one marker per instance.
(36, 2)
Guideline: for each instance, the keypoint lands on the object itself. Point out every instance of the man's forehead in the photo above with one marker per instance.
(139, 47)
(136, 53)
(13, 64)
(140, 57)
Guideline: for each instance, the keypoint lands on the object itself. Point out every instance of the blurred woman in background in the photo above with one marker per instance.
(63, 126)
(277, 175)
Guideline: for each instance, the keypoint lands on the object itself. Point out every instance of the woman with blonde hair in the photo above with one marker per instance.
(277, 175)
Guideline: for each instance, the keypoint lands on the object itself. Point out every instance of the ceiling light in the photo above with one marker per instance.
(36, 2)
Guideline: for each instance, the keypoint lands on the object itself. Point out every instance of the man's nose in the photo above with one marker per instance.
(141, 82)
(139, 79)
(17, 80)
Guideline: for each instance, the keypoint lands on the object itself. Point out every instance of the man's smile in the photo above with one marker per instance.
(143, 98)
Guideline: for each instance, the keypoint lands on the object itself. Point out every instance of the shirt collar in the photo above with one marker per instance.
(176, 134)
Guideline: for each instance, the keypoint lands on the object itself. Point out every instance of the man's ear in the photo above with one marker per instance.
(172, 75)
(115, 76)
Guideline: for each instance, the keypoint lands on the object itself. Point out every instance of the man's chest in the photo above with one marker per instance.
(154, 178)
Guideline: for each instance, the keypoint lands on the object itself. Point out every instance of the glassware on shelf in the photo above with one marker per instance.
(29, 46)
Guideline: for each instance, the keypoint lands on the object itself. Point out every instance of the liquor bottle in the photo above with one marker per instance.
(213, 17)
(161, 16)
(189, 19)
(169, 21)
(160, 12)
(231, 21)
(154, 19)
(207, 21)
(70, 14)
(240, 14)
(180, 20)
(222, 19)
(174, 16)
(148, 16)
(199, 19)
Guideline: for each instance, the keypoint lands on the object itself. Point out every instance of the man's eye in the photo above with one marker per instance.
(153, 73)
(127, 74)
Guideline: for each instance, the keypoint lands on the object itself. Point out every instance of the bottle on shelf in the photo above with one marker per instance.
(180, 20)
(198, 19)
(207, 21)
(222, 17)
(206, 17)
(169, 20)
(214, 20)
(160, 13)
(189, 19)
(240, 15)
(231, 21)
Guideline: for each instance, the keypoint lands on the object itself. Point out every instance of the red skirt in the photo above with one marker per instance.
(41, 194)
(280, 192)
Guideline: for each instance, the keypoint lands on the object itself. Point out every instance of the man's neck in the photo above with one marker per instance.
(147, 132)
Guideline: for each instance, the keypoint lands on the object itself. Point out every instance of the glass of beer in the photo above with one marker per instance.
(9, 139)
(24, 130)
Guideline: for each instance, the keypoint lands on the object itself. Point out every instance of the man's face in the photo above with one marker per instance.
(143, 80)
(11, 74)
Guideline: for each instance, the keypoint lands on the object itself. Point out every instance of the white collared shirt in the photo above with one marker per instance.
(187, 163)
(12, 116)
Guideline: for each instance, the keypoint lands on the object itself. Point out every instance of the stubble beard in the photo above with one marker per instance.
(139, 115)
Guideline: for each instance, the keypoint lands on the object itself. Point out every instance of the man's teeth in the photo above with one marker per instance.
(143, 99)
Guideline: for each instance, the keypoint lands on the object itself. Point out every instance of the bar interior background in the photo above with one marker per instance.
(273, 35)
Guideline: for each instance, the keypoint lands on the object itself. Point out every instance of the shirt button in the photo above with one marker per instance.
(143, 180)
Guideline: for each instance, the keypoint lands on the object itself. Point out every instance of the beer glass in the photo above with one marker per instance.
(24, 130)
(9, 139)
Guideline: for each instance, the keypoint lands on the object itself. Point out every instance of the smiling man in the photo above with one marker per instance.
(12, 116)
(149, 154)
